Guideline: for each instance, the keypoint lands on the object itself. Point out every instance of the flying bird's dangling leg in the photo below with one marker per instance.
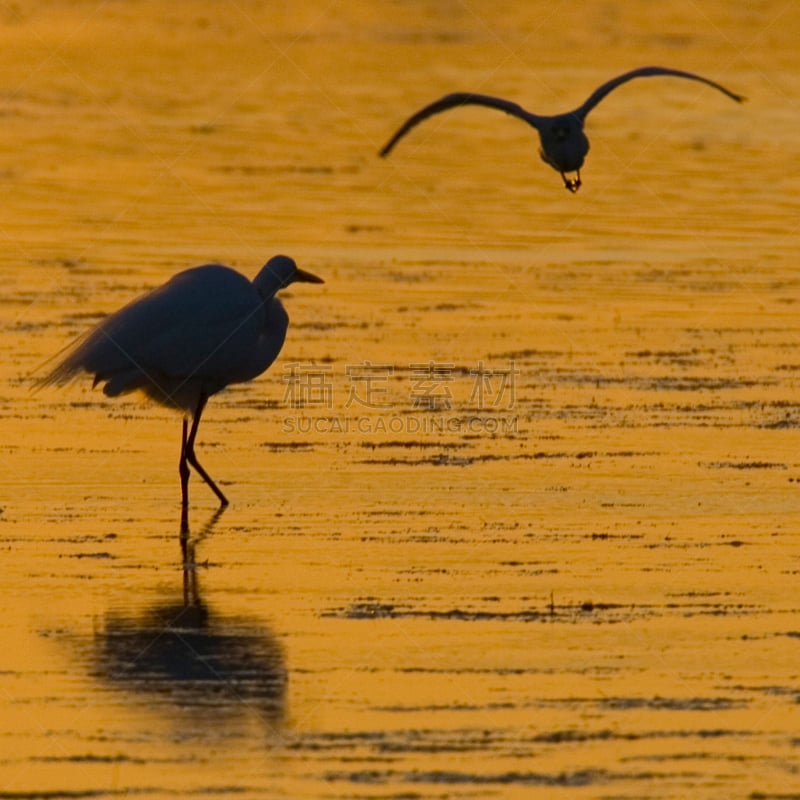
(187, 454)
(572, 184)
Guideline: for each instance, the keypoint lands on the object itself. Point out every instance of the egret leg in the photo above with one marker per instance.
(188, 454)
(183, 470)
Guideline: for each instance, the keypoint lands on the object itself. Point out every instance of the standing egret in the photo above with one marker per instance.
(205, 328)
(563, 143)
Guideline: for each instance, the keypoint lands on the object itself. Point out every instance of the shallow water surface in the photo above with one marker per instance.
(515, 512)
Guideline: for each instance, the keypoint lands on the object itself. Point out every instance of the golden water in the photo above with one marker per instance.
(581, 584)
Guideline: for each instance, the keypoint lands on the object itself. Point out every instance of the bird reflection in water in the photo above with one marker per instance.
(181, 654)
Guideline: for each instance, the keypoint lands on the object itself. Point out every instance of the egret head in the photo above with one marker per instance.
(564, 146)
(278, 273)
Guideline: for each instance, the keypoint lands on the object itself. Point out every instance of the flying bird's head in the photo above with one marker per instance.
(564, 146)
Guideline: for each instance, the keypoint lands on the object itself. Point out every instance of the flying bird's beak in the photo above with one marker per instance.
(573, 184)
(306, 277)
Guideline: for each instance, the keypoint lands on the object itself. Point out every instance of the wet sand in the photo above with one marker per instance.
(515, 512)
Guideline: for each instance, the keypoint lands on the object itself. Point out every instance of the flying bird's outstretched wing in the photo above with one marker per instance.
(646, 72)
(456, 100)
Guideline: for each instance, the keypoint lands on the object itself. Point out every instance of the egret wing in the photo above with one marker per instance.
(457, 100)
(214, 322)
(194, 324)
(647, 72)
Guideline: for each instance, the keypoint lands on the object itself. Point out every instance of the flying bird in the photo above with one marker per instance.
(563, 142)
(206, 328)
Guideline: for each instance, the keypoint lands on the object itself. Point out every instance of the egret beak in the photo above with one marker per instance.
(306, 277)
(573, 184)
